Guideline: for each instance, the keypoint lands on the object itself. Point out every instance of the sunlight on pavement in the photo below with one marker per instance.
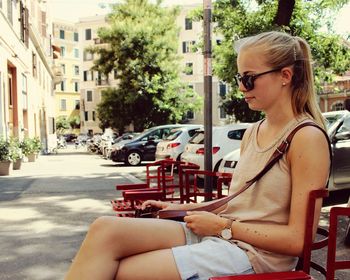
(18, 214)
(80, 205)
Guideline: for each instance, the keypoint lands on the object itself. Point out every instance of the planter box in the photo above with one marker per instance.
(5, 168)
(17, 164)
(31, 158)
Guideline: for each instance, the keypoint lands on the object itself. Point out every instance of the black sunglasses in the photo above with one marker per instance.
(248, 80)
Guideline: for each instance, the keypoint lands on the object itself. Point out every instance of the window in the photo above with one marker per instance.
(338, 106)
(63, 85)
(222, 113)
(187, 46)
(93, 115)
(218, 42)
(76, 86)
(63, 105)
(189, 68)
(89, 95)
(88, 56)
(77, 105)
(63, 51)
(9, 11)
(34, 65)
(236, 134)
(190, 115)
(86, 115)
(61, 34)
(76, 53)
(87, 34)
(0, 4)
(222, 89)
(85, 75)
(188, 24)
(24, 93)
(52, 125)
(76, 36)
(63, 68)
(76, 70)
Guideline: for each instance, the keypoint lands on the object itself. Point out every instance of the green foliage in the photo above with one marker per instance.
(74, 121)
(30, 145)
(142, 41)
(238, 19)
(15, 147)
(5, 150)
(62, 124)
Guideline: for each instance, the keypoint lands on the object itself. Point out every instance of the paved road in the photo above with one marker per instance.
(47, 206)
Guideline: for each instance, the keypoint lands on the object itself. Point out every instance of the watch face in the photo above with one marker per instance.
(226, 234)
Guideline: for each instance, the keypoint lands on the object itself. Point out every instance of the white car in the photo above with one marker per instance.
(173, 146)
(229, 162)
(224, 140)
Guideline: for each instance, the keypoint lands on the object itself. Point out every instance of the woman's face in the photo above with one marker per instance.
(267, 87)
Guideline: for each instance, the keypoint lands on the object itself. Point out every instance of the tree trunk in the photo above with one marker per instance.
(284, 12)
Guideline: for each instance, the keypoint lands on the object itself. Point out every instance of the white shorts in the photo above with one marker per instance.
(205, 257)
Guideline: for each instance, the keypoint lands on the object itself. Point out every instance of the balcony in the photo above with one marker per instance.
(102, 82)
(57, 73)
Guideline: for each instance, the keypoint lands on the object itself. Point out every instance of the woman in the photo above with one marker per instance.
(262, 229)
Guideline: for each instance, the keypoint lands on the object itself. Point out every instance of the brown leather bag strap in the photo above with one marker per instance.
(276, 156)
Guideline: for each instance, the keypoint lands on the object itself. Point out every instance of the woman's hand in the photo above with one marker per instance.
(204, 223)
(161, 204)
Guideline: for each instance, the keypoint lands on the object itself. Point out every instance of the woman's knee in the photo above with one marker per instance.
(105, 229)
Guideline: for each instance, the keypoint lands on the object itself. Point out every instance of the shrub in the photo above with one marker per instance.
(15, 149)
(5, 150)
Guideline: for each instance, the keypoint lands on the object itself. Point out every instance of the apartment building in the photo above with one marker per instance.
(67, 92)
(26, 72)
(92, 82)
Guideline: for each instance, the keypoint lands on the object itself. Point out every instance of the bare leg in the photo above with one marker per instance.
(159, 264)
(111, 239)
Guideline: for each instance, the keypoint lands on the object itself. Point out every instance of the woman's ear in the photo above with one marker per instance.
(287, 75)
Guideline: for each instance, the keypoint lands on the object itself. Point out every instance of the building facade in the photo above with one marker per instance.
(26, 72)
(67, 92)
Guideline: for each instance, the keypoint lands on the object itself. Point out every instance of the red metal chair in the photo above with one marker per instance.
(305, 263)
(332, 263)
(164, 191)
(192, 189)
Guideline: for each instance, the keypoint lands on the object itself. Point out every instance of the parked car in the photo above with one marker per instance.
(174, 145)
(224, 139)
(142, 147)
(339, 134)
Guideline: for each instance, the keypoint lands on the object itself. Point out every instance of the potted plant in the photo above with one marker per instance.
(28, 149)
(36, 145)
(5, 157)
(16, 153)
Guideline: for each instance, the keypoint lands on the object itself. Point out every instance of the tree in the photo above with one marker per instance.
(237, 19)
(62, 124)
(142, 40)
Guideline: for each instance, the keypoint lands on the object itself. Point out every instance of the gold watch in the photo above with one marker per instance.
(226, 233)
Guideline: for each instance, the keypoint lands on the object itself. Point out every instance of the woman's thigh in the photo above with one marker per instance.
(125, 237)
(159, 264)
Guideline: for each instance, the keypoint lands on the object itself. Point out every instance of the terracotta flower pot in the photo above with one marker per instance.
(31, 157)
(5, 168)
(17, 164)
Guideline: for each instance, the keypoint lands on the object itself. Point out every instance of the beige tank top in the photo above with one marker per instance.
(267, 200)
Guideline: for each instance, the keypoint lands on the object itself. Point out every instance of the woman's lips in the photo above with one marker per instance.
(247, 98)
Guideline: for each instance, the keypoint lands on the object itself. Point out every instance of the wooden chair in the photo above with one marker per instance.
(332, 263)
(305, 263)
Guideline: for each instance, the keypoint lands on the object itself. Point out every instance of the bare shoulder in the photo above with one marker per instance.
(310, 143)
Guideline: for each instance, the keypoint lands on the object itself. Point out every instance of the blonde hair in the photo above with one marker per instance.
(280, 50)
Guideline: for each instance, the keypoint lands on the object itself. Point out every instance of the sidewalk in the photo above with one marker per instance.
(46, 207)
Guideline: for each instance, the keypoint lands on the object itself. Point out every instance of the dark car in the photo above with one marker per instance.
(142, 147)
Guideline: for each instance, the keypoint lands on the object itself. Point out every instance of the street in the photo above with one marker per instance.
(47, 206)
